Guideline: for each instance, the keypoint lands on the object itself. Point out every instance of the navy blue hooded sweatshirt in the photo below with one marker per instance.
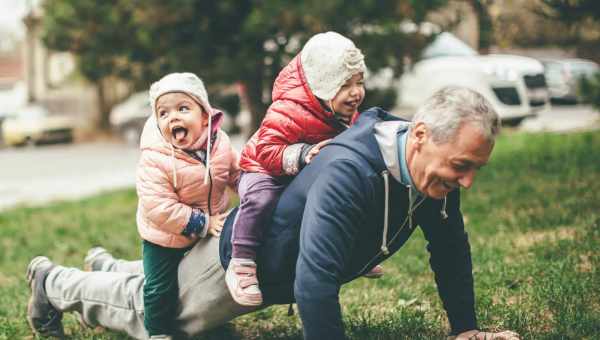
(328, 228)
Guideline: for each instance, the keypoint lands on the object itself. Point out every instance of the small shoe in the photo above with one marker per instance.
(95, 259)
(242, 282)
(375, 273)
(43, 318)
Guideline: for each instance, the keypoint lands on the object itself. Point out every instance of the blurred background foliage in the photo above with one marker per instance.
(582, 19)
(590, 90)
(248, 42)
(224, 41)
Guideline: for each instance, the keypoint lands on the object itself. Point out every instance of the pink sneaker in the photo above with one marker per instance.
(375, 273)
(242, 282)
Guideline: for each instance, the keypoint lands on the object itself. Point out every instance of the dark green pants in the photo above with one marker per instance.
(160, 287)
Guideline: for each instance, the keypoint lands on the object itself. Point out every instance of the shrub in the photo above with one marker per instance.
(590, 90)
(383, 98)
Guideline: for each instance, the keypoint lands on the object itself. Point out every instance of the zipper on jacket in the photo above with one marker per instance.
(210, 186)
(384, 174)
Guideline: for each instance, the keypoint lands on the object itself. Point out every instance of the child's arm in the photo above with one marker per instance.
(311, 151)
(160, 202)
(279, 148)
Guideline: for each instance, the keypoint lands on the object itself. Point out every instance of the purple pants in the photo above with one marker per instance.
(259, 194)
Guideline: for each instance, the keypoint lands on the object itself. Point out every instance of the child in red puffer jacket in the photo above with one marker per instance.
(315, 97)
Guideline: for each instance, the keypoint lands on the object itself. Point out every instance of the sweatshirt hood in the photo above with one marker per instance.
(386, 134)
(362, 130)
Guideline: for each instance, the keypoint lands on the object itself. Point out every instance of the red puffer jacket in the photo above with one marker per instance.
(295, 116)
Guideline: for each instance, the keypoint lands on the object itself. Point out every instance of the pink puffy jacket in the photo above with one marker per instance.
(170, 183)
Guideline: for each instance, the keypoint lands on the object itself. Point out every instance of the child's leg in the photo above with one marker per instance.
(160, 287)
(258, 196)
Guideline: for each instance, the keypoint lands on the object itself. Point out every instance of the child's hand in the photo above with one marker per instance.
(315, 150)
(216, 224)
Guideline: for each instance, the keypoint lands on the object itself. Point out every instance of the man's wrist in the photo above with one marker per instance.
(466, 335)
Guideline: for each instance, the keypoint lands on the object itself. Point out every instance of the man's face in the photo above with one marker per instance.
(437, 169)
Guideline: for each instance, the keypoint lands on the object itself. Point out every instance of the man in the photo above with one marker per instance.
(351, 208)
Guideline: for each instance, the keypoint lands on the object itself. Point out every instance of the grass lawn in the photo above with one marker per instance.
(533, 218)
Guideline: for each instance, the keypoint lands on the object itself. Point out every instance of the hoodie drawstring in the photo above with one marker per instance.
(207, 172)
(174, 168)
(443, 211)
(208, 149)
(411, 209)
(384, 247)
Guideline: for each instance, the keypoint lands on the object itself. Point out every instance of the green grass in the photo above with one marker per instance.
(533, 218)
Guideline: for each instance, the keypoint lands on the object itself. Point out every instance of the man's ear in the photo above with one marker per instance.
(420, 134)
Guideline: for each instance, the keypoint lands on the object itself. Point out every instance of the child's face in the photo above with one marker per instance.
(349, 97)
(181, 119)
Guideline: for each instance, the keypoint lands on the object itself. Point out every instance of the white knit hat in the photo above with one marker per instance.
(186, 82)
(329, 60)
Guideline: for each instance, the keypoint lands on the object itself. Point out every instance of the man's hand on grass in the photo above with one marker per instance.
(479, 335)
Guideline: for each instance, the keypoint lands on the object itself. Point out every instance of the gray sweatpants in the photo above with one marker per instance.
(114, 299)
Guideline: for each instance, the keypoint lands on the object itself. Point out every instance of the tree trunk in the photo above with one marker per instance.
(253, 82)
(103, 107)
(484, 21)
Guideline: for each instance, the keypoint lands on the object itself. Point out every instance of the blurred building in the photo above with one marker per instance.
(44, 69)
(13, 92)
(50, 77)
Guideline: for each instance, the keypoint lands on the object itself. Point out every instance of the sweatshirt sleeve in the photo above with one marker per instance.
(450, 260)
(332, 216)
(158, 198)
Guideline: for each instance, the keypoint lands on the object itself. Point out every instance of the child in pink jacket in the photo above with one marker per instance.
(185, 166)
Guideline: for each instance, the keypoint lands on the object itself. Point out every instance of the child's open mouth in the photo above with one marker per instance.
(353, 105)
(179, 133)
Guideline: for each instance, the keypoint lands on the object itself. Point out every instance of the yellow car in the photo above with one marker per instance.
(35, 125)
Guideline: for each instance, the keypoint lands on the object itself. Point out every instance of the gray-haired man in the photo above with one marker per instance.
(356, 204)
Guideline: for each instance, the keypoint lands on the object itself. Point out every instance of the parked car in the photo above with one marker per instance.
(128, 118)
(34, 124)
(514, 85)
(12, 96)
(564, 76)
(2, 116)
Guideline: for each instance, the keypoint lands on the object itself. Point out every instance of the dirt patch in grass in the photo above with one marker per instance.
(532, 238)
(585, 265)
(6, 281)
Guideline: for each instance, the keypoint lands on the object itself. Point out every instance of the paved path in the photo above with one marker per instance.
(54, 172)
(564, 118)
(37, 175)
(42, 174)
